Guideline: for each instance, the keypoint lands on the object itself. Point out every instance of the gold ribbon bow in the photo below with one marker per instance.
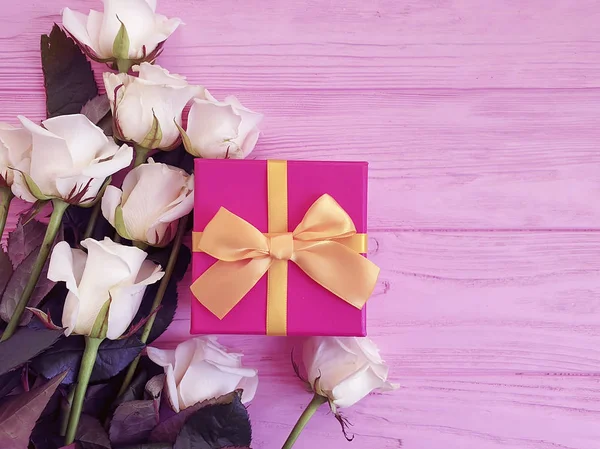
(324, 245)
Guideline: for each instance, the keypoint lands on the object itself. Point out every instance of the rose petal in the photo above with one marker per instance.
(68, 265)
(212, 128)
(110, 201)
(76, 24)
(355, 387)
(104, 269)
(136, 15)
(159, 75)
(126, 300)
(50, 157)
(102, 170)
(84, 139)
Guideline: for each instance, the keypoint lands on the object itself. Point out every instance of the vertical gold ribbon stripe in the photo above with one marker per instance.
(277, 278)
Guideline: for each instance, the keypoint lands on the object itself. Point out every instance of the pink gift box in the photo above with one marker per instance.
(241, 187)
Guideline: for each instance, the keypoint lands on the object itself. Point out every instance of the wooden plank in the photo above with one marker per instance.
(474, 303)
(443, 159)
(450, 412)
(355, 44)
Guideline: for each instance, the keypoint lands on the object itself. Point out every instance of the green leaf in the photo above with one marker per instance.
(68, 76)
(100, 326)
(19, 414)
(185, 139)
(154, 136)
(33, 187)
(120, 223)
(24, 345)
(121, 42)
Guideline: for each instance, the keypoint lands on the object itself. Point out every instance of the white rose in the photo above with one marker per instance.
(107, 271)
(137, 101)
(71, 158)
(347, 368)
(221, 129)
(15, 152)
(200, 369)
(153, 198)
(96, 32)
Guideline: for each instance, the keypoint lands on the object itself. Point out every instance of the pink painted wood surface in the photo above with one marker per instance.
(481, 126)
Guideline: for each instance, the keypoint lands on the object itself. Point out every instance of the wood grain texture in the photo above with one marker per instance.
(481, 126)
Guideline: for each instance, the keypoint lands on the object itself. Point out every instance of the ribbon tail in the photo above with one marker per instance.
(338, 269)
(224, 284)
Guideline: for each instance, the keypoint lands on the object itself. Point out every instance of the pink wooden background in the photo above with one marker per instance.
(481, 122)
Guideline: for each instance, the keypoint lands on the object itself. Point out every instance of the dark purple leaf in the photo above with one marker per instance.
(8, 382)
(68, 76)
(90, 431)
(70, 446)
(216, 426)
(133, 421)
(168, 430)
(177, 158)
(113, 357)
(96, 109)
(149, 446)
(24, 240)
(18, 414)
(6, 270)
(17, 284)
(24, 345)
(98, 399)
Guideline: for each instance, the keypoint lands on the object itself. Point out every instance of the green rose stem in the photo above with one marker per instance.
(5, 198)
(162, 288)
(310, 410)
(55, 219)
(85, 371)
(93, 218)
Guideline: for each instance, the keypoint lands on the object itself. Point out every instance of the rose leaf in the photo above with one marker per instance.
(96, 109)
(24, 240)
(68, 76)
(113, 357)
(133, 421)
(19, 414)
(16, 285)
(24, 345)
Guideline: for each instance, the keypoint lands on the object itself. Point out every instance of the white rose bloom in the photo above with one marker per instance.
(200, 369)
(71, 158)
(136, 101)
(96, 32)
(221, 129)
(107, 271)
(153, 198)
(15, 152)
(348, 368)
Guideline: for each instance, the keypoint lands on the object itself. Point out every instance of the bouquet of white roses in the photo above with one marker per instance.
(107, 263)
